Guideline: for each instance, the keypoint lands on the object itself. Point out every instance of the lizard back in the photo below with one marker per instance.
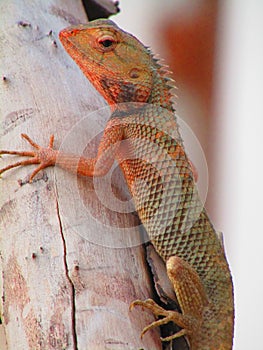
(155, 164)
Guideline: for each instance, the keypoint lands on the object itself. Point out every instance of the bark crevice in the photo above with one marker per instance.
(72, 287)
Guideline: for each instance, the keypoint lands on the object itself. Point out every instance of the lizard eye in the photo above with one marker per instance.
(107, 43)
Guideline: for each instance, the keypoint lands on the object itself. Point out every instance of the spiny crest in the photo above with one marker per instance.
(165, 74)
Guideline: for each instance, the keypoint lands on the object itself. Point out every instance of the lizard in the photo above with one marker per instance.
(143, 135)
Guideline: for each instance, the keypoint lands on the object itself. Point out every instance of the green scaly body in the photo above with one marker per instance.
(143, 136)
(155, 165)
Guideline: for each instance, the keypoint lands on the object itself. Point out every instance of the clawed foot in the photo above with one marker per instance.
(169, 315)
(45, 157)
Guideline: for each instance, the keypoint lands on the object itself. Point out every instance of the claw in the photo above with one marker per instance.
(169, 315)
(178, 334)
(29, 140)
(148, 304)
(45, 157)
(21, 163)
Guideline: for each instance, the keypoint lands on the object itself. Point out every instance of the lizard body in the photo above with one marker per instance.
(159, 176)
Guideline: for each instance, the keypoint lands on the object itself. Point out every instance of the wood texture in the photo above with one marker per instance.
(61, 288)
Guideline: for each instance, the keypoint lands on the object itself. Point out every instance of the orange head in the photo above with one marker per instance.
(116, 63)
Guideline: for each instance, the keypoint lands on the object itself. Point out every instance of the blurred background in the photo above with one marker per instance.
(215, 49)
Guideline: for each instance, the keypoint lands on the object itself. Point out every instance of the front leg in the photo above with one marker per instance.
(191, 297)
(46, 157)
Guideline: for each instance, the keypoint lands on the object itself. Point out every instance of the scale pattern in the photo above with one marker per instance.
(143, 135)
(156, 167)
(169, 206)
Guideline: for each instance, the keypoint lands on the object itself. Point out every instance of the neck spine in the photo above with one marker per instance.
(163, 86)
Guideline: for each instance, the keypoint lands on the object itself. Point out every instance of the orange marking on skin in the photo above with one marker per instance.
(178, 154)
(159, 135)
(194, 170)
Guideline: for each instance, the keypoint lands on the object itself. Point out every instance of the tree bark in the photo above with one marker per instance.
(64, 283)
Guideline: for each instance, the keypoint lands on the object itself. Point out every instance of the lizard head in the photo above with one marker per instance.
(116, 63)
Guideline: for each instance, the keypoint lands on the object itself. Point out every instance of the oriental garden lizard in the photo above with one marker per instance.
(143, 135)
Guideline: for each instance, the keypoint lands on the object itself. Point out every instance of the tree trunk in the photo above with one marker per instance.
(64, 285)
